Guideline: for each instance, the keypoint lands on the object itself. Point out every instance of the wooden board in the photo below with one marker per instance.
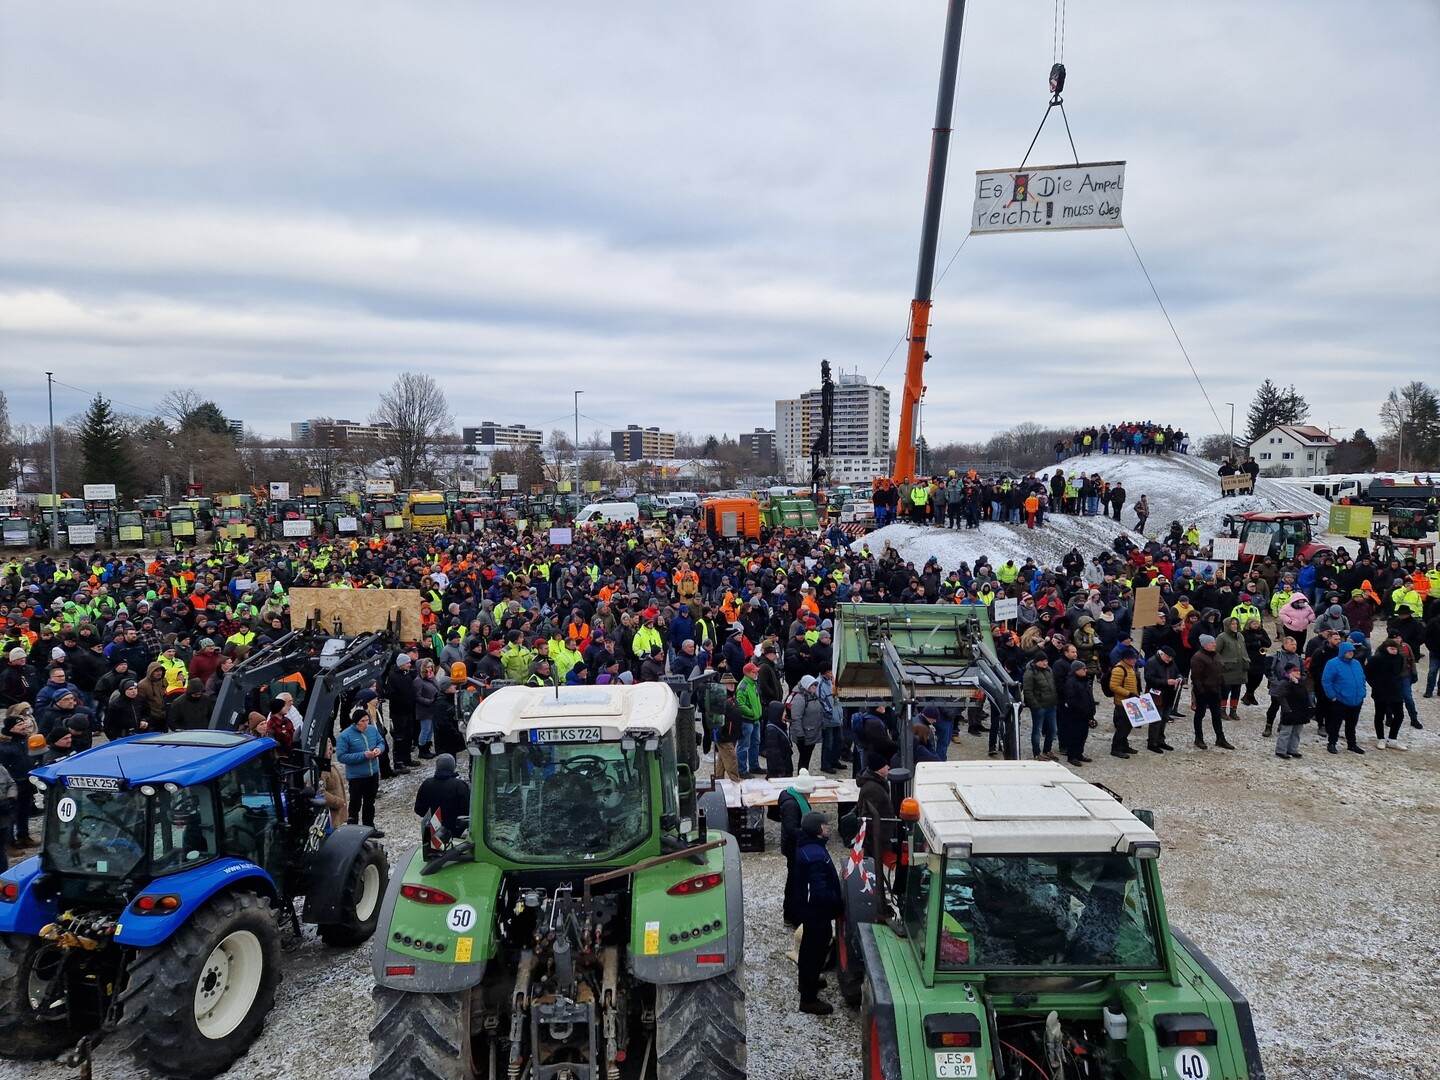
(1238, 484)
(1147, 608)
(359, 610)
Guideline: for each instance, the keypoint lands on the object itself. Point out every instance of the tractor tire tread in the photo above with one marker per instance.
(417, 1036)
(19, 1038)
(156, 1019)
(700, 1029)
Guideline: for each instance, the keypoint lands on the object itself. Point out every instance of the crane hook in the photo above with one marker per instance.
(1057, 82)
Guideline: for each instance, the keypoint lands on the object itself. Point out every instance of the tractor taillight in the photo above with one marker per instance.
(1185, 1029)
(951, 1030)
(9, 892)
(404, 969)
(422, 894)
(710, 958)
(696, 884)
(151, 904)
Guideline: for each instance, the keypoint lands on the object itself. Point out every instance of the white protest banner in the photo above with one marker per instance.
(99, 492)
(81, 534)
(347, 525)
(1007, 609)
(1225, 548)
(379, 487)
(279, 489)
(9, 497)
(560, 537)
(1141, 710)
(301, 527)
(509, 482)
(1049, 197)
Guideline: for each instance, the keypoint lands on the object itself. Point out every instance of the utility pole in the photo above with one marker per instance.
(1232, 427)
(577, 440)
(54, 485)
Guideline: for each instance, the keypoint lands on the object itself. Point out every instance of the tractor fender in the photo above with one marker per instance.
(328, 873)
(684, 966)
(422, 976)
(880, 1037)
(28, 912)
(194, 887)
(1244, 1019)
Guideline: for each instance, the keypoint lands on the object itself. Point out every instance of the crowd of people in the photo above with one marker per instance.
(965, 501)
(115, 644)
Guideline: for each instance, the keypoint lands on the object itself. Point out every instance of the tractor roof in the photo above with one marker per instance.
(617, 710)
(179, 757)
(1276, 515)
(1023, 807)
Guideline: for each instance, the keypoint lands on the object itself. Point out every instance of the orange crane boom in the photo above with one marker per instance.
(919, 328)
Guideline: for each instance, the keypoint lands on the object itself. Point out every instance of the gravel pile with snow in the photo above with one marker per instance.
(1180, 488)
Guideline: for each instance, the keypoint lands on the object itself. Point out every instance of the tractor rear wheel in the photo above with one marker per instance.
(700, 1029)
(368, 875)
(33, 1017)
(422, 1037)
(195, 1003)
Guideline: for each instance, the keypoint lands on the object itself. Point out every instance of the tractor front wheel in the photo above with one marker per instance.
(700, 1029)
(194, 1004)
(33, 1016)
(368, 875)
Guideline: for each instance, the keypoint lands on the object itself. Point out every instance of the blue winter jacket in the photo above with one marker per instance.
(350, 750)
(813, 886)
(1344, 678)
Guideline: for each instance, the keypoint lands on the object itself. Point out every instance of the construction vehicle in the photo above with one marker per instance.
(1276, 534)
(428, 510)
(792, 513)
(1029, 937)
(731, 519)
(590, 926)
(153, 913)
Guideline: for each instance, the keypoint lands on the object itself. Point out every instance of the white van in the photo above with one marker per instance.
(606, 512)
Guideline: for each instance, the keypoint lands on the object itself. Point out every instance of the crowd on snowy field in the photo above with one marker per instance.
(118, 644)
(1127, 437)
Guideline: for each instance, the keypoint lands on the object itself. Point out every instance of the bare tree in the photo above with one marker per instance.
(179, 405)
(415, 412)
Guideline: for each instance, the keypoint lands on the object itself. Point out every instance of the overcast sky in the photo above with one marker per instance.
(680, 208)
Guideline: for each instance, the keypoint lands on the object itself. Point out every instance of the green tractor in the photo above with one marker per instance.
(583, 923)
(1025, 935)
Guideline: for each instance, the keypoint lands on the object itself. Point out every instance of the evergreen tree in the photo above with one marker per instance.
(105, 450)
(1272, 405)
(1355, 454)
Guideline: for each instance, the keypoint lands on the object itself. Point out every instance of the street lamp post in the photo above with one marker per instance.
(577, 439)
(54, 485)
(1232, 427)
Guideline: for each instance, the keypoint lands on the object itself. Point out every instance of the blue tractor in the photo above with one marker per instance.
(153, 912)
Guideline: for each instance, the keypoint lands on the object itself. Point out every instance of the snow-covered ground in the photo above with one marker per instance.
(1180, 488)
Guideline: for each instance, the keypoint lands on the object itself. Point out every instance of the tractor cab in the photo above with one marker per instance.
(130, 527)
(1276, 534)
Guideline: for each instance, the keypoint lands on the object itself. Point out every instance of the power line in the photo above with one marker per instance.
(117, 401)
(1203, 392)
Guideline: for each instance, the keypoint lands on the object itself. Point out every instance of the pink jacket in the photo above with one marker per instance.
(1297, 614)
